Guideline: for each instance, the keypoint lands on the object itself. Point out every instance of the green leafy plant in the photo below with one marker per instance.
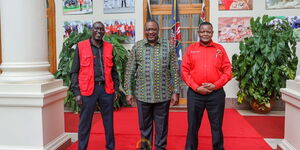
(266, 60)
(66, 61)
(65, 64)
(120, 59)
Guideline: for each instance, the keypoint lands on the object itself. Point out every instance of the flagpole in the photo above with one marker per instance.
(176, 35)
(149, 16)
(202, 16)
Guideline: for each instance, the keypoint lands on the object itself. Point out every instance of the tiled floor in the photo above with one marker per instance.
(74, 136)
(250, 113)
(272, 142)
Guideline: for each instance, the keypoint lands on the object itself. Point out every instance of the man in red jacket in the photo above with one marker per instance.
(95, 81)
(205, 69)
(80, 4)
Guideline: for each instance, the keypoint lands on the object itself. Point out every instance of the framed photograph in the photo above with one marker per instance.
(121, 27)
(233, 29)
(294, 22)
(75, 26)
(235, 4)
(282, 4)
(77, 7)
(118, 6)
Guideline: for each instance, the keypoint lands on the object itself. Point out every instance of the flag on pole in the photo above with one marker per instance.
(149, 15)
(202, 16)
(175, 34)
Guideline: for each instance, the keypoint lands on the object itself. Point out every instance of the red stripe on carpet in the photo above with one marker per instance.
(268, 126)
(238, 133)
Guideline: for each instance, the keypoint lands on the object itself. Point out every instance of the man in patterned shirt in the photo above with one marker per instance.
(152, 79)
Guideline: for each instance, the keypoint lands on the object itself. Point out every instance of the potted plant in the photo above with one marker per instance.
(266, 60)
(66, 61)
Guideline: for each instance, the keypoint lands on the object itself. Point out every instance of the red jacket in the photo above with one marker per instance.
(86, 71)
(206, 64)
(80, 1)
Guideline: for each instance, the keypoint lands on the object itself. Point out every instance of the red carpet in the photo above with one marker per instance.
(268, 126)
(238, 133)
(71, 121)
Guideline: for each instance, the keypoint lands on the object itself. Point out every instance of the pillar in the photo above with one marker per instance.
(291, 97)
(31, 100)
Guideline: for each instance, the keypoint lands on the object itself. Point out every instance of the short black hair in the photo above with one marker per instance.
(152, 20)
(205, 23)
(97, 23)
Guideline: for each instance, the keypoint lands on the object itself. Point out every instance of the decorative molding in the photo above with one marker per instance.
(291, 94)
(60, 143)
(22, 96)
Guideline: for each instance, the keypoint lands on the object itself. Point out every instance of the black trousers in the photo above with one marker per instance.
(159, 114)
(214, 103)
(105, 101)
(123, 3)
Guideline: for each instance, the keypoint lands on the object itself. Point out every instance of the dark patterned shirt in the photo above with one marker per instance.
(152, 71)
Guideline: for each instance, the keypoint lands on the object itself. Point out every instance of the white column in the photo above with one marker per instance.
(297, 76)
(297, 79)
(31, 100)
(291, 97)
(24, 41)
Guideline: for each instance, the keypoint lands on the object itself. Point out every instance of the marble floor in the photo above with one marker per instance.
(272, 142)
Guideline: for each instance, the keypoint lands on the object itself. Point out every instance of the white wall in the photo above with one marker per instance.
(97, 15)
(232, 87)
(259, 9)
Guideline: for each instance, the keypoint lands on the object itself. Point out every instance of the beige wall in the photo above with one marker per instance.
(97, 15)
(231, 88)
(259, 9)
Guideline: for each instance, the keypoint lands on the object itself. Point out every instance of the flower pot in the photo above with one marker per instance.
(261, 108)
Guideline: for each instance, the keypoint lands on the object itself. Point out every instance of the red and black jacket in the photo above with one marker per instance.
(86, 71)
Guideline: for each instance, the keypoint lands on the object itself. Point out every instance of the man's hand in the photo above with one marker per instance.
(209, 86)
(130, 99)
(79, 100)
(116, 96)
(174, 99)
(202, 90)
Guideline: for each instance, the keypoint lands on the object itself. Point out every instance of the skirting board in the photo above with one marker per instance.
(60, 143)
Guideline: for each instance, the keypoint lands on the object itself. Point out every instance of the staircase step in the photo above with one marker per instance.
(179, 108)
